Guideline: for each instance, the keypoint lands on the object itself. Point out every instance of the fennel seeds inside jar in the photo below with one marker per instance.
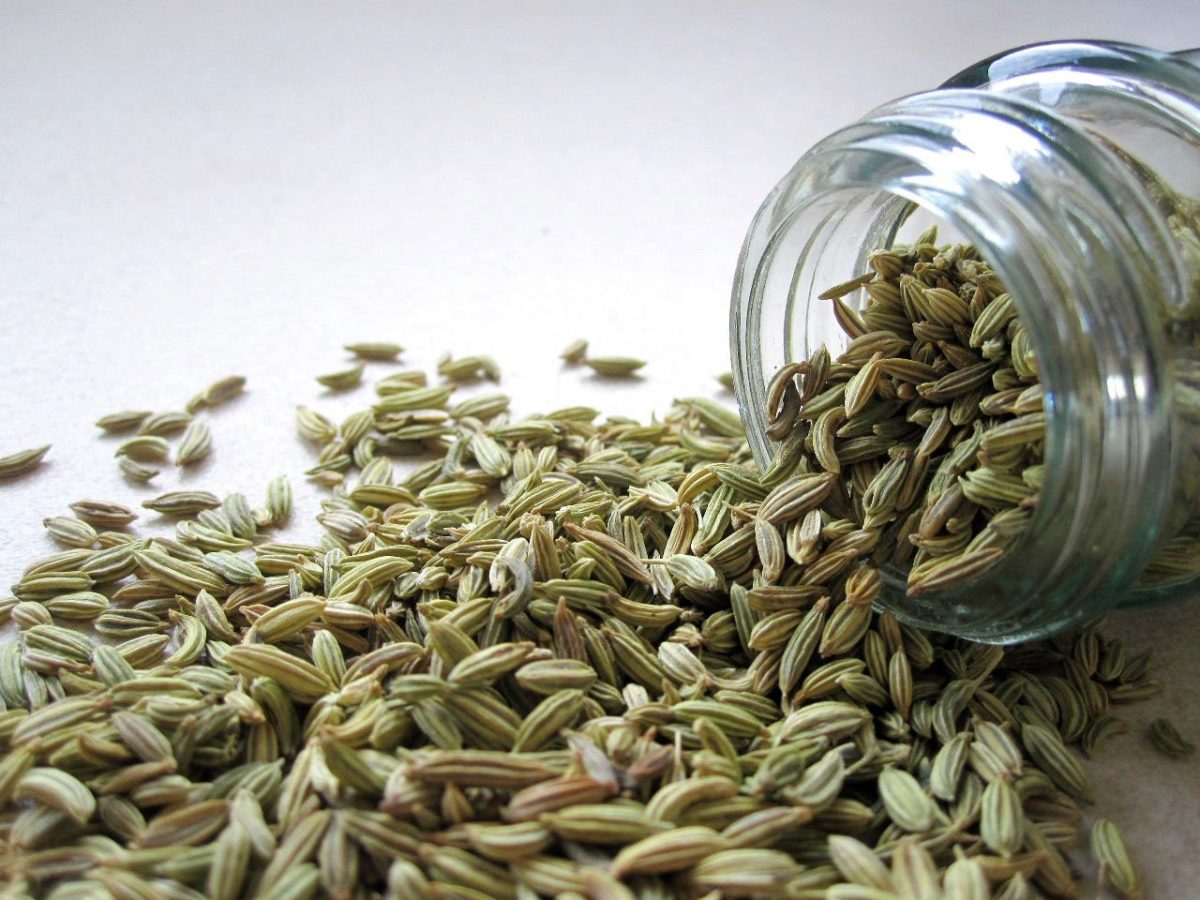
(1058, 324)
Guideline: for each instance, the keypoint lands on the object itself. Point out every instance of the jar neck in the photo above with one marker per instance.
(1084, 254)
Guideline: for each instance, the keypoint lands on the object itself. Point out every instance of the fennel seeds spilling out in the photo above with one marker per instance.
(563, 656)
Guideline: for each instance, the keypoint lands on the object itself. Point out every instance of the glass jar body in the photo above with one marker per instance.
(1075, 169)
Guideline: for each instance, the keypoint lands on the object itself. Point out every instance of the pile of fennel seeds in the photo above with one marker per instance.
(563, 656)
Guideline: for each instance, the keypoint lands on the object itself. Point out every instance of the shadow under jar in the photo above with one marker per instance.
(1074, 168)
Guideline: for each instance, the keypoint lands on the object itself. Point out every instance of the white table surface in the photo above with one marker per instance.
(193, 189)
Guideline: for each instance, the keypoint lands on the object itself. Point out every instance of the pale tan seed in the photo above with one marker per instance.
(671, 801)
(301, 881)
(481, 768)
(900, 683)
(302, 680)
(121, 816)
(858, 863)
(342, 380)
(195, 444)
(603, 823)
(135, 470)
(544, 722)
(103, 514)
(145, 448)
(905, 801)
(1048, 751)
(693, 572)
(948, 766)
(125, 420)
(57, 790)
(965, 879)
(821, 784)
(298, 845)
(745, 871)
(165, 423)
(182, 503)
(314, 426)
(1116, 868)
(946, 573)
(845, 628)
(1002, 821)
(70, 531)
(1001, 743)
(188, 826)
(550, 795)
(229, 867)
(614, 366)
(1099, 731)
(22, 461)
(142, 737)
(914, 872)
(670, 851)
(468, 368)
(288, 619)
(575, 352)
(222, 390)
(1167, 740)
(375, 350)
(489, 664)
(505, 843)
(715, 416)
(827, 718)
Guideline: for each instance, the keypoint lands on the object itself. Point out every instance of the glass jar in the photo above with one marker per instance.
(1074, 167)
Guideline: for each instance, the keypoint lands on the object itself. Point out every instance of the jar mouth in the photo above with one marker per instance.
(1066, 233)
